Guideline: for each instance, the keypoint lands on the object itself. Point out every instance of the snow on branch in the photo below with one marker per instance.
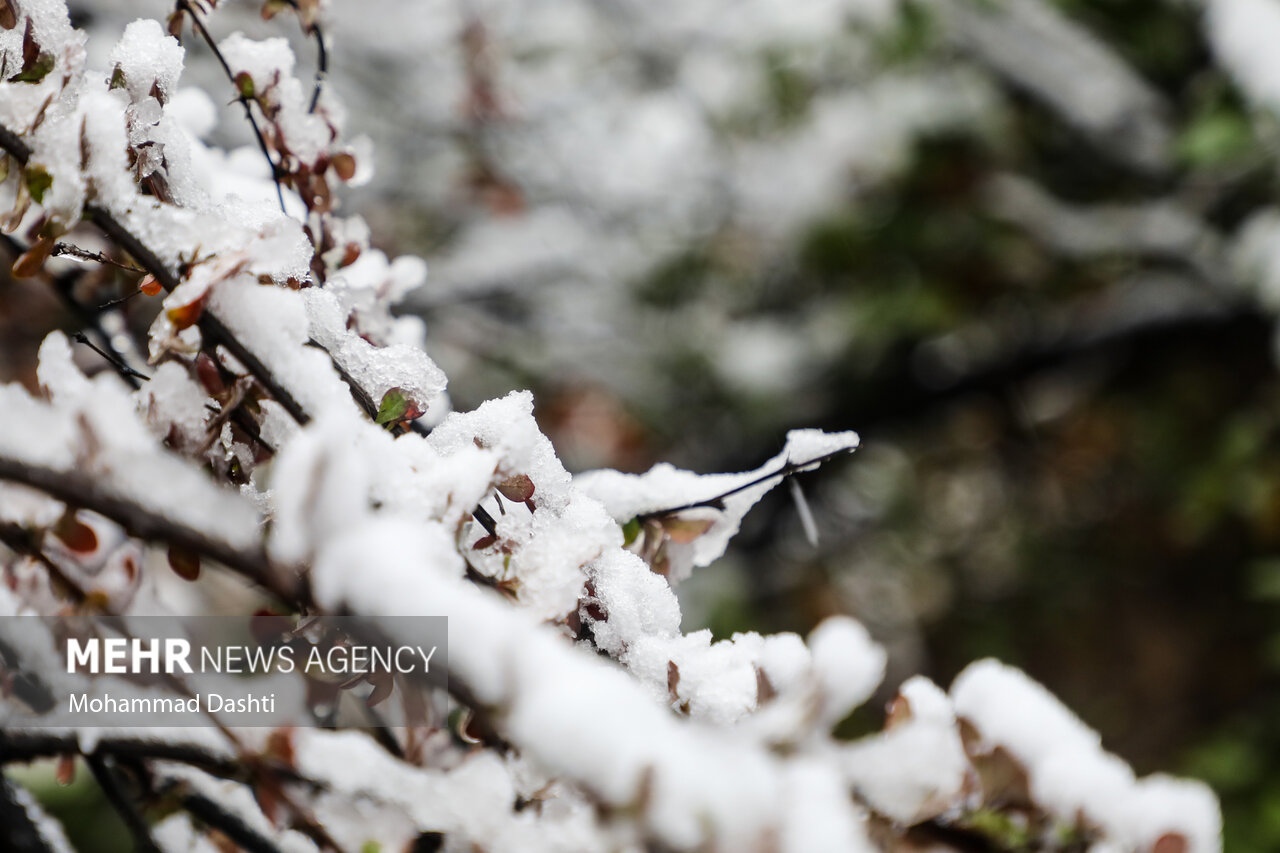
(281, 437)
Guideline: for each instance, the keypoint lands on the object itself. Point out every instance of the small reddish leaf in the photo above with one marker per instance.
(280, 745)
(383, 684)
(209, 375)
(32, 260)
(175, 24)
(1171, 842)
(185, 564)
(8, 14)
(271, 8)
(673, 680)
(188, 314)
(484, 542)
(518, 488)
(350, 255)
(149, 285)
(66, 773)
(345, 165)
(899, 712)
(75, 534)
(269, 627)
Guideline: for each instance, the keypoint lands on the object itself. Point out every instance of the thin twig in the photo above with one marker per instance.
(788, 469)
(229, 824)
(86, 255)
(244, 102)
(119, 300)
(114, 361)
(87, 317)
(322, 57)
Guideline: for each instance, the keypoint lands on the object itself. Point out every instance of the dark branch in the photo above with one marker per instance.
(113, 787)
(789, 469)
(87, 317)
(230, 825)
(18, 832)
(113, 360)
(79, 489)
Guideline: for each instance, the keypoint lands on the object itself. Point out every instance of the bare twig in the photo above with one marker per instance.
(86, 255)
(244, 102)
(229, 824)
(788, 469)
(87, 317)
(113, 360)
(322, 56)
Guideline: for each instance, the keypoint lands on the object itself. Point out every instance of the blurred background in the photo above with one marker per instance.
(1029, 249)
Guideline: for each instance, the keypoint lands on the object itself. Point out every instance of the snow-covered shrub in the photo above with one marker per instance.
(282, 435)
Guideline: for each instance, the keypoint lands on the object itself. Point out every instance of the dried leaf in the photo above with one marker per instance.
(673, 681)
(75, 534)
(150, 286)
(66, 773)
(685, 530)
(280, 745)
(345, 165)
(31, 261)
(8, 14)
(899, 712)
(188, 313)
(176, 21)
(1171, 842)
(185, 564)
(517, 489)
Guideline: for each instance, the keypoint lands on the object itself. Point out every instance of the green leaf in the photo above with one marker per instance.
(630, 531)
(1215, 137)
(38, 181)
(117, 79)
(244, 83)
(42, 66)
(396, 406)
